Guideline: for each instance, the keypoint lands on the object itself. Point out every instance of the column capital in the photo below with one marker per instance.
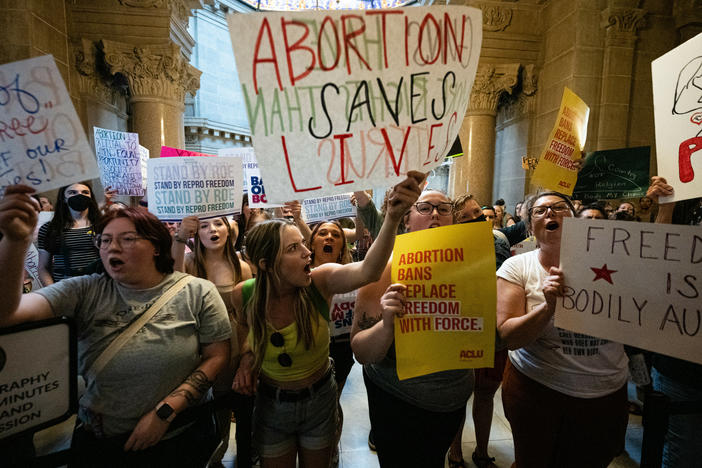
(491, 80)
(91, 82)
(622, 24)
(154, 71)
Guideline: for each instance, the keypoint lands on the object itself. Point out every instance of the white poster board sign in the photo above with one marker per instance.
(633, 283)
(253, 182)
(339, 102)
(327, 208)
(677, 106)
(194, 186)
(42, 142)
(119, 159)
(37, 377)
(144, 155)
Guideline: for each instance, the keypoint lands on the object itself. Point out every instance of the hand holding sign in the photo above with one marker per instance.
(392, 303)
(405, 194)
(553, 288)
(659, 188)
(18, 213)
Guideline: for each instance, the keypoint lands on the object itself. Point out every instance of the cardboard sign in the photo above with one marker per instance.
(168, 152)
(449, 320)
(339, 101)
(42, 142)
(37, 376)
(119, 159)
(677, 108)
(555, 170)
(327, 208)
(633, 283)
(614, 174)
(185, 186)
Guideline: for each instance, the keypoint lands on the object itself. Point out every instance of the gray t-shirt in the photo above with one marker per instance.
(155, 361)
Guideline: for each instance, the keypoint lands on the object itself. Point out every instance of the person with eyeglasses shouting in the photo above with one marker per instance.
(413, 420)
(286, 309)
(130, 413)
(564, 394)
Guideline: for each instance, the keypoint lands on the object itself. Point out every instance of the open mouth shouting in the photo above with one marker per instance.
(552, 225)
(327, 248)
(214, 238)
(307, 269)
(115, 263)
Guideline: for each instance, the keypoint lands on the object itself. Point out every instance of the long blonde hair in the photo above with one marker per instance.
(264, 245)
(200, 252)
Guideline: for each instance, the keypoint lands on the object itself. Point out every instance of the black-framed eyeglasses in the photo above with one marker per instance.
(125, 240)
(557, 208)
(278, 341)
(426, 208)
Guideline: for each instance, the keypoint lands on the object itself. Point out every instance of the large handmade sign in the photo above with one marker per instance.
(347, 100)
(677, 108)
(612, 174)
(449, 320)
(556, 169)
(634, 283)
(37, 376)
(327, 208)
(42, 142)
(120, 161)
(193, 185)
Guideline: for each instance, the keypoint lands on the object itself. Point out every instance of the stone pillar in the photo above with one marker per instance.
(688, 18)
(158, 78)
(621, 23)
(473, 172)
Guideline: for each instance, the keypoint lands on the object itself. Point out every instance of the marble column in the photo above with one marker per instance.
(158, 78)
(621, 24)
(473, 172)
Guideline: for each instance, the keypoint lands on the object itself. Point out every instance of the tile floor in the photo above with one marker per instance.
(354, 451)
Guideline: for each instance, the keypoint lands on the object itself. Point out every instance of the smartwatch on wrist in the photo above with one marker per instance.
(165, 412)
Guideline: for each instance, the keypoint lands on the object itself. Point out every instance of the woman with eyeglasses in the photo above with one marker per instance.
(65, 243)
(130, 413)
(287, 347)
(413, 420)
(564, 393)
(214, 258)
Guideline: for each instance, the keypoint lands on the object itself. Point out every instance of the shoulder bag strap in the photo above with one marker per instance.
(109, 352)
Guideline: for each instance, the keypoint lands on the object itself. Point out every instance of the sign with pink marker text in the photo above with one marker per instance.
(42, 141)
(677, 108)
(339, 101)
(633, 283)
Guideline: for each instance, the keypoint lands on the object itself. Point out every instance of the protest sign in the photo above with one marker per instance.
(143, 160)
(37, 376)
(527, 245)
(607, 296)
(342, 101)
(449, 320)
(677, 108)
(168, 152)
(555, 169)
(612, 174)
(186, 186)
(119, 160)
(42, 142)
(341, 314)
(326, 208)
(253, 182)
(31, 261)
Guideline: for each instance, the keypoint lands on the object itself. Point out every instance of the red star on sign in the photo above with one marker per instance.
(603, 273)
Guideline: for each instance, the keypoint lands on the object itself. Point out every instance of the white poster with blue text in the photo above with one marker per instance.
(119, 158)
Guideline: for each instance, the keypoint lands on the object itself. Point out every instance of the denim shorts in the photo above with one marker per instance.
(281, 426)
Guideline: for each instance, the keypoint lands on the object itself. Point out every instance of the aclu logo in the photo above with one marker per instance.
(470, 354)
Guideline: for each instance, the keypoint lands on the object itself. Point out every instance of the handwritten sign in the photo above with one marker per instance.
(607, 296)
(119, 160)
(677, 108)
(326, 208)
(342, 101)
(37, 376)
(185, 186)
(453, 324)
(168, 152)
(42, 142)
(556, 170)
(613, 174)
(144, 155)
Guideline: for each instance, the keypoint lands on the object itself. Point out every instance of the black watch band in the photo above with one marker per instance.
(165, 412)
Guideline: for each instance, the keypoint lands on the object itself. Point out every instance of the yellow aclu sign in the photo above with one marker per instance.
(449, 318)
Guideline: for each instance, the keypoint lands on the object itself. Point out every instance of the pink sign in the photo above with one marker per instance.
(168, 152)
